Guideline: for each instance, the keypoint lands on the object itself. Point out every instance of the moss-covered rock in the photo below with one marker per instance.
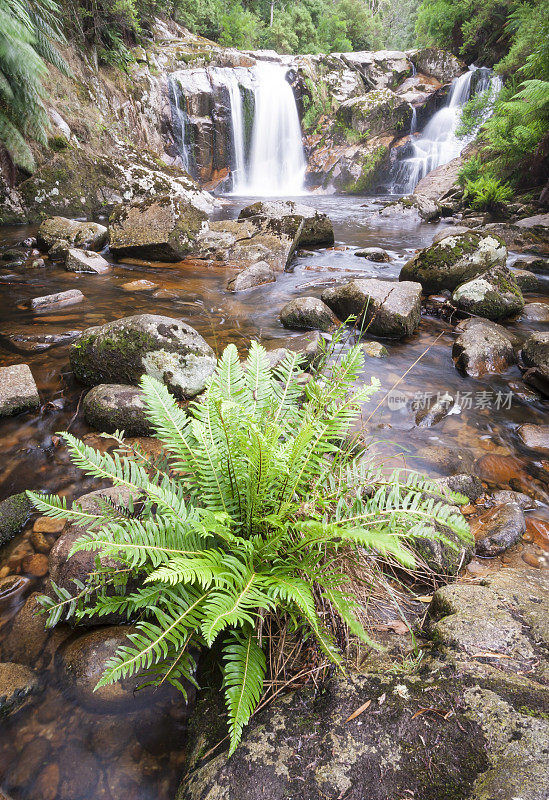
(14, 512)
(125, 349)
(494, 294)
(112, 407)
(454, 260)
(71, 233)
(379, 111)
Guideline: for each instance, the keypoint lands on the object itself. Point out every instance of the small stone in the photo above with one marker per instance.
(533, 560)
(375, 349)
(429, 416)
(47, 782)
(85, 261)
(376, 254)
(256, 275)
(38, 263)
(308, 313)
(36, 565)
(18, 391)
(40, 542)
(57, 300)
(140, 285)
(49, 525)
(165, 294)
(536, 437)
(17, 685)
(536, 312)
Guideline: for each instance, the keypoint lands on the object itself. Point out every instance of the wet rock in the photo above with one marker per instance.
(14, 512)
(536, 437)
(379, 69)
(438, 63)
(443, 552)
(533, 264)
(376, 254)
(64, 570)
(18, 391)
(527, 281)
(414, 206)
(498, 529)
(49, 525)
(85, 261)
(162, 228)
(382, 308)
(454, 230)
(454, 260)
(379, 111)
(256, 275)
(310, 347)
(139, 286)
(37, 342)
(84, 235)
(57, 300)
(375, 349)
(463, 483)
(427, 417)
(535, 355)
(82, 661)
(308, 313)
(116, 407)
(494, 295)
(440, 184)
(166, 348)
(536, 312)
(75, 783)
(17, 685)
(28, 635)
(508, 496)
(520, 238)
(483, 347)
(35, 565)
(41, 543)
(311, 227)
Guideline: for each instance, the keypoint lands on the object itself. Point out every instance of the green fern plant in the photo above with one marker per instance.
(486, 193)
(246, 516)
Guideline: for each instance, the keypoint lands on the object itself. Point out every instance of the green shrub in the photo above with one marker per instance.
(486, 193)
(247, 516)
(470, 171)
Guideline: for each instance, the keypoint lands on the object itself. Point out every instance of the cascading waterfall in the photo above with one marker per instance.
(438, 143)
(277, 163)
(227, 77)
(179, 116)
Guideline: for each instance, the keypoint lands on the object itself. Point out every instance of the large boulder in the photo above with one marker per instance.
(18, 391)
(439, 64)
(414, 206)
(247, 241)
(379, 69)
(382, 308)
(308, 313)
(441, 183)
(494, 294)
(166, 348)
(162, 228)
(483, 347)
(377, 112)
(116, 407)
(454, 260)
(522, 237)
(71, 233)
(286, 216)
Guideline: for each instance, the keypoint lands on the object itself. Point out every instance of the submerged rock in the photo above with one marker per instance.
(483, 347)
(376, 254)
(162, 228)
(18, 390)
(375, 349)
(28, 634)
(71, 233)
(256, 275)
(85, 261)
(382, 308)
(536, 437)
(494, 294)
(17, 685)
(116, 407)
(57, 300)
(123, 350)
(308, 313)
(454, 260)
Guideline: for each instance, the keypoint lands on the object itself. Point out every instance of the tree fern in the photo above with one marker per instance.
(246, 517)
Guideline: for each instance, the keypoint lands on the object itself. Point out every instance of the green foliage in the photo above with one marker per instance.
(486, 193)
(245, 517)
(475, 111)
(26, 34)
(470, 171)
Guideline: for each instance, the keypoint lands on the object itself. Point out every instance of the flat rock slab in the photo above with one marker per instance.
(256, 275)
(86, 261)
(57, 300)
(18, 390)
(36, 342)
(382, 308)
(312, 227)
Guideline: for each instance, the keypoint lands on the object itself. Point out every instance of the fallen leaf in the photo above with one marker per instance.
(398, 626)
(425, 598)
(488, 654)
(359, 711)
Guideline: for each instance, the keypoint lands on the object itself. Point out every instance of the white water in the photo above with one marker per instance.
(180, 121)
(277, 163)
(228, 78)
(438, 143)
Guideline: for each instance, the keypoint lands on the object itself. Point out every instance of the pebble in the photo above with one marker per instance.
(49, 525)
(139, 286)
(532, 560)
(375, 349)
(40, 542)
(36, 565)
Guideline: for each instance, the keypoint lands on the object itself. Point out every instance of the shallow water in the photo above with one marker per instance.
(57, 750)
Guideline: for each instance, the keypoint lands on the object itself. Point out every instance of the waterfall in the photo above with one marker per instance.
(277, 164)
(228, 78)
(438, 143)
(179, 119)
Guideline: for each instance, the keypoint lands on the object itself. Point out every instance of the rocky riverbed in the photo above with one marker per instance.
(457, 333)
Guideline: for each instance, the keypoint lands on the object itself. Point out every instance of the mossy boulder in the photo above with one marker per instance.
(123, 350)
(71, 233)
(160, 228)
(111, 407)
(288, 216)
(494, 295)
(14, 512)
(377, 112)
(382, 308)
(437, 63)
(454, 260)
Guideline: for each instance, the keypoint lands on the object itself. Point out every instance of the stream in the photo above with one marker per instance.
(139, 752)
